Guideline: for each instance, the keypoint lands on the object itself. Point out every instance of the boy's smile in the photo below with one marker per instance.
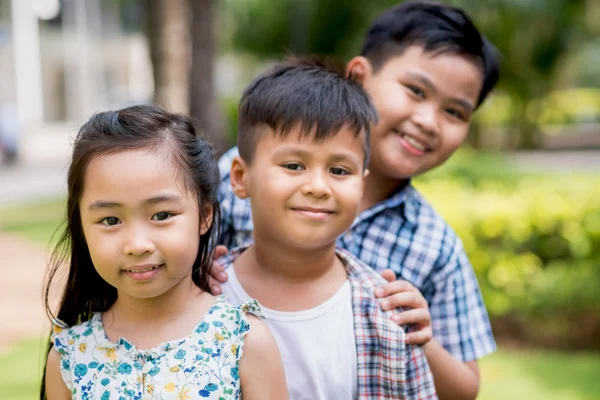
(304, 193)
(425, 101)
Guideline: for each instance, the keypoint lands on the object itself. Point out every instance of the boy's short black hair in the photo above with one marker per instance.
(312, 94)
(438, 28)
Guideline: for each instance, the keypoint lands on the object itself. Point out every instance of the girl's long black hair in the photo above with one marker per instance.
(137, 127)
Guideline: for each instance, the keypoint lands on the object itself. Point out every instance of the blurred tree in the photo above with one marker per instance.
(167, 23)
(181, 37)
(203, 107)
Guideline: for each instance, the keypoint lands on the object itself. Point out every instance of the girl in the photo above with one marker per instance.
(135, 319)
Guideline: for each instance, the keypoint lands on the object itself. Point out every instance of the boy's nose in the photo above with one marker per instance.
(317, 185)
(426, 118)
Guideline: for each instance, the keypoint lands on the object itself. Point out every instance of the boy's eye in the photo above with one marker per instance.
(161, 216)
(293, 166)
(339, 171)
(456, 114)
(110, 221)
(418, 92)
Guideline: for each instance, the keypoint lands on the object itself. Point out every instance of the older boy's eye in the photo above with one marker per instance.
(293, 166)
(457, 114)
(418, 92)
(339, 171)
(161, 216)
(110, 221)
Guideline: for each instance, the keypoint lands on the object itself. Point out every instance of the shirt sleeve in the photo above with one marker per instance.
(226, 199)
(459, 318)
(419, 379)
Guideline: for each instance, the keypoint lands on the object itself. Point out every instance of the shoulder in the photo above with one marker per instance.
(431, 223)
(63, 339)
(55, 387)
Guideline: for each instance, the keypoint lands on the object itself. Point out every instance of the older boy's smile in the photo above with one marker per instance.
(415, 144)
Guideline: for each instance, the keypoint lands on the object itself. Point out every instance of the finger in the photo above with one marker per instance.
(393, 287)
(215, 286)
(412, 299)
(218, 272)
(418, 316)
(419, 337)
(389, 275)
(220, 251)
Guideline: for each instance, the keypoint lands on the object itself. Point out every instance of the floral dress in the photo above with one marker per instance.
(204, 365)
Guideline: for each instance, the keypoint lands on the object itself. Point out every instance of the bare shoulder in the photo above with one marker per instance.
(259, 337)
(55, 386)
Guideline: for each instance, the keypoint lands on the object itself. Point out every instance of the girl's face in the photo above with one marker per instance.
(141, 225)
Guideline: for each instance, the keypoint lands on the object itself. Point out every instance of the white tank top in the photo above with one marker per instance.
(317, 345)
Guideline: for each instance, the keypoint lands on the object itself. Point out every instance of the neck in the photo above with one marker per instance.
(291, 265)
(159, 310)
(378, 187)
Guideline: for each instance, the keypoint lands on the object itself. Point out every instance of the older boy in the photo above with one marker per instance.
(427, 69)
(303, 145)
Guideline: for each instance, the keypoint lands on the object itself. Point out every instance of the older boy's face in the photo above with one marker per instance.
(304, 194)
(425, 102)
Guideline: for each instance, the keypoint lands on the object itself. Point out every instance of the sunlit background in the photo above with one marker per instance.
(523, 194)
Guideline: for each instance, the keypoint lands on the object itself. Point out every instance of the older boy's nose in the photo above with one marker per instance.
(426, 119)
(138, 243)
(317, 185)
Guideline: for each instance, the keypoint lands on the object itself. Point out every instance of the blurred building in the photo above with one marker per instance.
(62, 60)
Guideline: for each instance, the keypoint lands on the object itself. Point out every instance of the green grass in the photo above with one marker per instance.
(20, 370)
(512, 374)
(36, 222)
(507, 374)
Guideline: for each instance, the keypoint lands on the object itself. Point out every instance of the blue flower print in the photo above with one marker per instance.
(180, 354)
(125, 369)
(80, 370)
(105, 382)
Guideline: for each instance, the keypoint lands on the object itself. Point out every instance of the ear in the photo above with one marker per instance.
(238, 176)
(359, 68)
(364, 178)
(207, 219)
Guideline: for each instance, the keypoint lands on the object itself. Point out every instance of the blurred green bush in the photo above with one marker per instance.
(534, 242)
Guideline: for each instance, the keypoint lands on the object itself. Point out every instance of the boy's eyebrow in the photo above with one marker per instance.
(152, 200)
(429, 85)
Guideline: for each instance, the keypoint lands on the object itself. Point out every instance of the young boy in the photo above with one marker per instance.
(303, 144)
(427, 69)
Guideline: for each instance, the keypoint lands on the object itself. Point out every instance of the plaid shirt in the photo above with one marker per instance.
(405, 234)
(387, 367)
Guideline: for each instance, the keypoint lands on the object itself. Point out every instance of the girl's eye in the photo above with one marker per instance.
(293, 166)
(418, 92)
(110, 221)
(161, 216)
(339, 171)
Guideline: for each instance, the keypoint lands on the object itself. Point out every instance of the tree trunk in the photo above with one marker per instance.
(168, 24)
(203, 109)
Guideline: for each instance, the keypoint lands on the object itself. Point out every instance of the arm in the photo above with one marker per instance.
(261, 369)
(55, 386)
(454, 379)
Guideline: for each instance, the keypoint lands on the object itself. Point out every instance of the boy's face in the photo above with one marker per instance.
(425, 102)
(304, 193)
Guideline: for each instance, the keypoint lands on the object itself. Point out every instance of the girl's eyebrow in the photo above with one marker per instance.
(98, 204)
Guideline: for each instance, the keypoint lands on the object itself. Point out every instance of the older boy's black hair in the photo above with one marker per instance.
(310, 94)
(438, 28)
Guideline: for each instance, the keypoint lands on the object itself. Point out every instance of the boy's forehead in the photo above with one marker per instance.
(288, 140)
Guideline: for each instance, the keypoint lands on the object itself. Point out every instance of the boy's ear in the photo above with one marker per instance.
(358, 69)
(364, 178)
(239, 177)
(207, 219)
